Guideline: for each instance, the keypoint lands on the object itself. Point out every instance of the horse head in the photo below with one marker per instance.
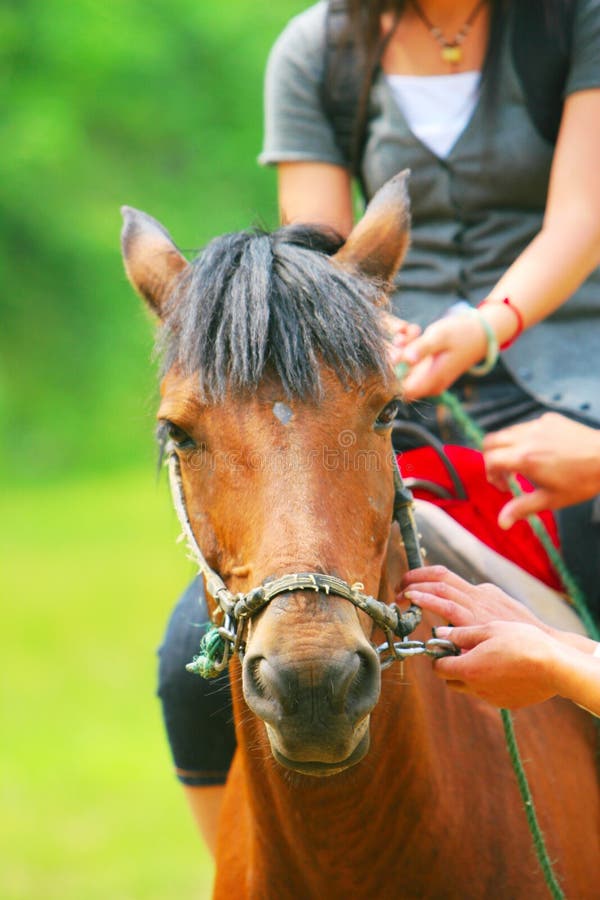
(278, 402)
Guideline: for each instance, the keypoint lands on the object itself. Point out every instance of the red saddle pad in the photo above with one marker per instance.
(479, 512)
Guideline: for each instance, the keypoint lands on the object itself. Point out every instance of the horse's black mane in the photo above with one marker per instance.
(254, 302)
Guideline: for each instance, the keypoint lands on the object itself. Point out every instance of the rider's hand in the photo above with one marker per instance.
(560, 456)
(444, 352)
(401, 334)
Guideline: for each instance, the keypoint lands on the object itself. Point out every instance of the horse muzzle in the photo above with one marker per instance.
(316, 709)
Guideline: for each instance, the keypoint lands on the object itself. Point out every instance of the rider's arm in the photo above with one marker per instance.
(544, 275)
(315, 192)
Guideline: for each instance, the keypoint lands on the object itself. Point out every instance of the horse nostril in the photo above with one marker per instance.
(254, 682)
(363, 691)
(268, 691)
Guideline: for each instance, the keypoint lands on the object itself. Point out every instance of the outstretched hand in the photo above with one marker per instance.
(509, 657)
(507, 650)
(509, 664)
(560, 456)
(455, 600)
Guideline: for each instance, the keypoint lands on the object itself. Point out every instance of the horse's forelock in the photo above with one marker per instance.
(254, 301)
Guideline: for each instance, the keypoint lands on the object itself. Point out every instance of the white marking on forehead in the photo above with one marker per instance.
(283, 412)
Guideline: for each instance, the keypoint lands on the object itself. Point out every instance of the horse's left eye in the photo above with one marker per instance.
(179, 437)
(387, 415)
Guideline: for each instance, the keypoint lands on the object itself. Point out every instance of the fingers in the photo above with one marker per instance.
(523, 506)
(425, 345)
(459, 686)
(465, 637)
(445, 350)
(400, 331)
(506, 437)
(437, 589)
(503, 460)
(454, 668)
(499, 480)
(457, 601)
(438, 574)
(430, 377)
(452, 610)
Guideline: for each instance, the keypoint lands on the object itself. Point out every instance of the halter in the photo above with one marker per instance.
(226, 636)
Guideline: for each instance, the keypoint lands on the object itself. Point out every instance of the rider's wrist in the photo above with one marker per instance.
(506, 318)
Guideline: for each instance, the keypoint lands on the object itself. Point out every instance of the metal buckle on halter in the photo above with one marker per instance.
(435, 648)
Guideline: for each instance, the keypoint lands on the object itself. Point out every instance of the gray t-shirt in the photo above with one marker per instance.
(473, 212)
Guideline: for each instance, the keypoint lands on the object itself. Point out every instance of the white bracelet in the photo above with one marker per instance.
(596, 651)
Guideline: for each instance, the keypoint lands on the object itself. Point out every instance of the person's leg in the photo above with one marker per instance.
(196, 712)
(205, 803)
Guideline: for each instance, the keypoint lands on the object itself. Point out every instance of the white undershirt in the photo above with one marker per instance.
(437, 108)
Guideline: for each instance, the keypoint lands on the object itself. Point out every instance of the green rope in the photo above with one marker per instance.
(475, 435)
(212, 648)
(534, 826)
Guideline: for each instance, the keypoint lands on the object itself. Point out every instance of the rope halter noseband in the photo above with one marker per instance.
(226, 636)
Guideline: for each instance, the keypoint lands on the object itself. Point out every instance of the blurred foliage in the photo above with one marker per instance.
(154, 104)
(91, 809)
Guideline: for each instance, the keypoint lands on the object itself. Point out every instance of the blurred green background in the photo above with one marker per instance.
(157, 105)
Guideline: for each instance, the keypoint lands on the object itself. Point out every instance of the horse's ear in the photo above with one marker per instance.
(152, 261)
(376, 246)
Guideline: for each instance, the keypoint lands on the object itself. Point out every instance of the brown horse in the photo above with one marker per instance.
(348, 782)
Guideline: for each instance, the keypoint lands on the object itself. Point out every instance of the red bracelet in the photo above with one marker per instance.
(517, 312)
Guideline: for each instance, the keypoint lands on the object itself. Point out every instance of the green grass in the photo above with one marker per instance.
(90, 808)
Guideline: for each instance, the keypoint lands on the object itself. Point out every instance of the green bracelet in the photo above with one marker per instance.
(491, 356)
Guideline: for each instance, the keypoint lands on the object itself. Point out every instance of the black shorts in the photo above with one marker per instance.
(197, 713)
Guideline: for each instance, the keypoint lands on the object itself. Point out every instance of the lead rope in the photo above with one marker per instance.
(475, 436)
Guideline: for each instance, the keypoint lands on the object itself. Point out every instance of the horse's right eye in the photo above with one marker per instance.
(387, 415)
(180, 438)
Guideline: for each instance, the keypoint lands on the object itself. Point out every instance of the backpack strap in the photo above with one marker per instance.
(541, 44)
(342, 84)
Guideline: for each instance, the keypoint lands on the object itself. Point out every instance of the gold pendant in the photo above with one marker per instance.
(451, 53)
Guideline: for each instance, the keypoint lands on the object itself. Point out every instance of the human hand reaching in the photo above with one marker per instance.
(509, 664)
(455, 600)
(561, 457)
(509, 657)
